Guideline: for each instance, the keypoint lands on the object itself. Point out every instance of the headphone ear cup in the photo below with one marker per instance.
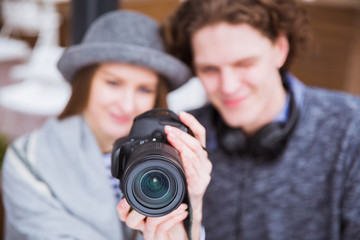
(232, 140)
(268, 140)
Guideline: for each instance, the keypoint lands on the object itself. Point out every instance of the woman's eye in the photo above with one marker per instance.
(146, 90)
(113, 83)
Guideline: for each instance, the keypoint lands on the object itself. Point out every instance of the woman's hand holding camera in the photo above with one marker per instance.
(197, 169)
(168, 227)
(196, 163)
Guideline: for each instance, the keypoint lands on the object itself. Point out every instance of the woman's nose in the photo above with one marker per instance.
(126, 101)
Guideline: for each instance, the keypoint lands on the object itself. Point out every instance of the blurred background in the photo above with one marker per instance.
(33, 34)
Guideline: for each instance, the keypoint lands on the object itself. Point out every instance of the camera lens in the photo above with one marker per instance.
(154, 184)
(154, 181)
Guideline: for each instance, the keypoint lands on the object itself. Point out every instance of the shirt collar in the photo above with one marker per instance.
(297, 89)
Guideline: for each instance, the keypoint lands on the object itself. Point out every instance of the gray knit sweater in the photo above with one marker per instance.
(311, 191)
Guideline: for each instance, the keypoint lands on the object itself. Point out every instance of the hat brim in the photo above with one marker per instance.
(77, 57)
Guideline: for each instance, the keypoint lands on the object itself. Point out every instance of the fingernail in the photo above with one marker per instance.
(183, 114)
(183, 207)
(122, 204)
(167, 128)
(171, 136)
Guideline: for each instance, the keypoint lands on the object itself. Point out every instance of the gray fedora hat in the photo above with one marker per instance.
(124, 36)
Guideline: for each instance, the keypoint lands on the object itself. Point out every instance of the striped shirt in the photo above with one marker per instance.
(115, 183)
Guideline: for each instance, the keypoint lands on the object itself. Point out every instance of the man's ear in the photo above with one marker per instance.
(281, 50)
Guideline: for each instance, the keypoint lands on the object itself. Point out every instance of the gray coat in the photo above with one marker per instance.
(55, 186)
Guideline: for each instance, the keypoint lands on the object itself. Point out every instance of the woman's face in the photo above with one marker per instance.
(118, 93)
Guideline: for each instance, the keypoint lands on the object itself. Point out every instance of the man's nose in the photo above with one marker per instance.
(230, 81)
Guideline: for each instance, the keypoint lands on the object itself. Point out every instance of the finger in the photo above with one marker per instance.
(179, 231)
(152, 223)
(192, 143)
(135, 220)
(199, 161)
(164, 229)
(196, 164)
(190, 161)
(197, 169)
(123, 209)
(197, 129)
(132, 219)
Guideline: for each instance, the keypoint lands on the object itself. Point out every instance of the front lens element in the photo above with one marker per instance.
(154, 184)
(154, 187)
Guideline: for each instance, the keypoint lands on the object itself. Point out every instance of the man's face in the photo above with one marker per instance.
(238, 67)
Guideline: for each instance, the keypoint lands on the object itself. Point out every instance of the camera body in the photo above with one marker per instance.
(150, 170)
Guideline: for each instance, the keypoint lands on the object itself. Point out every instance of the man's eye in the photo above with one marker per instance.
(246, 64)
(208, 70)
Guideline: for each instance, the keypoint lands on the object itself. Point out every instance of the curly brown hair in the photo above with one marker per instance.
(270, 17)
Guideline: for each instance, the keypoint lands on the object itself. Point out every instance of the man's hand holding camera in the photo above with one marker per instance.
(197, 168)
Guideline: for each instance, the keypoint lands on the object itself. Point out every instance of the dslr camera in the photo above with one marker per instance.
(150, 170)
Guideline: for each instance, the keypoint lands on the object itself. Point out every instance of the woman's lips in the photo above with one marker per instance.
(120, 118)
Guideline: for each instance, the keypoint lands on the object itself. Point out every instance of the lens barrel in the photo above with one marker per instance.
(154, 182)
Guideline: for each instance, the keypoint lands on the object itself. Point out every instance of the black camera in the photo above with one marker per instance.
(152, 177)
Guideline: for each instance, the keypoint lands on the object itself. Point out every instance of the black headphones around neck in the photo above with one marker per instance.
(268, 141)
